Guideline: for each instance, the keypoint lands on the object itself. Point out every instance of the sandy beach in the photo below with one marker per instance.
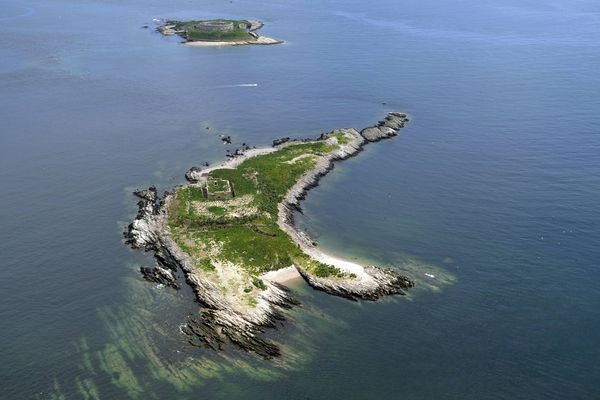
(282, 275)
(262, 40)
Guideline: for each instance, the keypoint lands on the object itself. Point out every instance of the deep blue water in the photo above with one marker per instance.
(493, 188)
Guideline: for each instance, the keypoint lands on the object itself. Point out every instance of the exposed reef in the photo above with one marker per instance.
(224, 318)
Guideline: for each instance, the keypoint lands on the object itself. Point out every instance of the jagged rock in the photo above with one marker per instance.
(280, 141)
(225, 139)
(149, 194)
(160, 275)
(193, 174)
(386, 128)
(388, 283)
(255, 25)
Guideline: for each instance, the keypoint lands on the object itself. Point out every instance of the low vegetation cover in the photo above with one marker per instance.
(240, 234)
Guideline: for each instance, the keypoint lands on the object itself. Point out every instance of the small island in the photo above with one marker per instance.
(217, 32)
(231, 232)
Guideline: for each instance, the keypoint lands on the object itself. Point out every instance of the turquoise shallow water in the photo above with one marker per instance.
(492, 188)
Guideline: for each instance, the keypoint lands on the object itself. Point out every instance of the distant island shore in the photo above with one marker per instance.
(217, 32)
(231, 231)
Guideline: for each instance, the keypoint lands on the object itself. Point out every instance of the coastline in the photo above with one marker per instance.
(371, 282)
(261, 41)
(224, 317)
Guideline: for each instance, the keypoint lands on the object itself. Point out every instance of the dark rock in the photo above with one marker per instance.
(393, 286)
(225, 139)
(149, 194)
(386, 128)
(372, 134)
(280, 141)
(160, 275)
(193, 174)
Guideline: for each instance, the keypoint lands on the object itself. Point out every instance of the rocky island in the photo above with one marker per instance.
(217, 32)
(231, 232)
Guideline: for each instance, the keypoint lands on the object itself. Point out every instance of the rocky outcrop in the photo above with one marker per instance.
(221, 320)
(226, 139)
(281, 141)
(160, 275)
(254, 25)
(383, 282)
(193, 174)
(386, 128)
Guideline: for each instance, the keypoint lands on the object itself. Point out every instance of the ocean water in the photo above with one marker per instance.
(489, 198)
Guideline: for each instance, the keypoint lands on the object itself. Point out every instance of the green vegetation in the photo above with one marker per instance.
(205, 264)
(219, 30)
(219, 211)
(242, 230)
(218, 185)
(341, 138)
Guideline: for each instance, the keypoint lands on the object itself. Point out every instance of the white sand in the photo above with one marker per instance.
(282, 275)
(261, 40)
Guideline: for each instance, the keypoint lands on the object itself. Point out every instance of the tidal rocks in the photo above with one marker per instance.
(226, 139)
(281, 141)
(193, 174)
(160, 275)
(383, 283)
(385, 128)
(214, 330)
(149, 194)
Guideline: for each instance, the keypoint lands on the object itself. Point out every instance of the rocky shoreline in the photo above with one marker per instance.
(221, 321)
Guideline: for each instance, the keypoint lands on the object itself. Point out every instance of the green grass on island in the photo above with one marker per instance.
(229, 226)
(218, 30)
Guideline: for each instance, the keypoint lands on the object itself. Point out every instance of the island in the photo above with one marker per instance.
(217, 32)
(231, 232)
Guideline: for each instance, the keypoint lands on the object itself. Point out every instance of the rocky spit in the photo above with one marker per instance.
(221, 320)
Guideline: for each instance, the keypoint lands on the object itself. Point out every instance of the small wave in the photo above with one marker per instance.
(239, 85)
